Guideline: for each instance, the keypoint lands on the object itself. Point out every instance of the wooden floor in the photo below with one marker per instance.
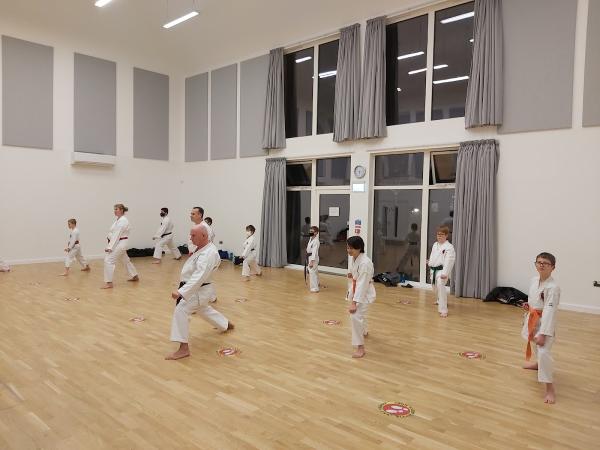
(77, 374)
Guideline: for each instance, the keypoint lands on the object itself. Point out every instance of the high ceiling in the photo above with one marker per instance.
(225, 31)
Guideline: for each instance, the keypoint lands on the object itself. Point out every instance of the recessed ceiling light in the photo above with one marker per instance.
(172, 23)
(101, 3)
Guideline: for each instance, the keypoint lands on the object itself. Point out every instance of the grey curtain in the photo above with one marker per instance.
(347, 85)
(372, 103)
(274, 122)
(484, 94)
(474, 231)
(272, 234)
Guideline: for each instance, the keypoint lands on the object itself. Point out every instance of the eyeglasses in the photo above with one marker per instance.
(542, 263)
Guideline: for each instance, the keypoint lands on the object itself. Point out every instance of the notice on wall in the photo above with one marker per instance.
(334, 211)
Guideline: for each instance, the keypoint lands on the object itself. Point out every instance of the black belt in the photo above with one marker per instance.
(306, 265)
(166, 234)
(181, 283)
(435, 270)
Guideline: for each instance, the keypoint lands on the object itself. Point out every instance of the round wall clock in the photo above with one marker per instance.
(359, 171)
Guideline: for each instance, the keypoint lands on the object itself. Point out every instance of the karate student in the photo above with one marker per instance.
(195, 291)
(117, 248)
(540, 322)
(164, 236)
(250, 255)
(197, 217)
(211, 234)
(3, 266)
(74, 249)
(440, 262)
(312, 257)
(361, 292)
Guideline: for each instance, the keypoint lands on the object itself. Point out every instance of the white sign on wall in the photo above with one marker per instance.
(334, 211)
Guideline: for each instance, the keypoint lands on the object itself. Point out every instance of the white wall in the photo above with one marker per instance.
(40, 190)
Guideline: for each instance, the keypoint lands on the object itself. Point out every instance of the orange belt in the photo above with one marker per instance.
(532, 321)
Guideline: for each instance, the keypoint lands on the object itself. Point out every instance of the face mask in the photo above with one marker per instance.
(311, 234)
(162, 214)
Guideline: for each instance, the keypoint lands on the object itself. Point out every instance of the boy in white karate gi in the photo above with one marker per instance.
(312, 257)
(441, 262)
(361, 292)
(250, 255)
(540, 322)
(164, 236)
(73, 249)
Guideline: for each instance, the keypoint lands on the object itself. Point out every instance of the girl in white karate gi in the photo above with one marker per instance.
(440, 262)
(117, 248)
(250, 255)
(73, 249)
(164, 236)
(361, 292)
(540, 322)
(312, 256)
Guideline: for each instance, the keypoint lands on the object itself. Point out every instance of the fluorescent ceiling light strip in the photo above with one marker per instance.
(181, 19)
(331, 73)
(410, 55)
(459, 17)
(101, 3)
(451, 80)
(306, 58)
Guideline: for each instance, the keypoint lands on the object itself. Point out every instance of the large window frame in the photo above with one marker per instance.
(316, 191)
(425, 187)
(431, 25)
(315, 46)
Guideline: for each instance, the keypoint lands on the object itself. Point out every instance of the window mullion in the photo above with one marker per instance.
(429, 73)
(315, 90)
(424, 217)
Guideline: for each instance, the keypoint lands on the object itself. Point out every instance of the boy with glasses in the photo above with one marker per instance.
(540, 322)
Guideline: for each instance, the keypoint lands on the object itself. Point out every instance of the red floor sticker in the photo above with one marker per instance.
(396, 409)
(137, 319)
(404, 302)
(331, 322)
(228, 351)
(472, 355)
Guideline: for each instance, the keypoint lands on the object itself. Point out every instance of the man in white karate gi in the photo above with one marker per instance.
(195, 291)
(164, 236)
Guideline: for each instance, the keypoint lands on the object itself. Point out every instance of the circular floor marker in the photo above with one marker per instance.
(137, 319)
(228, 351)
(396, 409)
(71, 299)
(472, 355)
(241, 300)
(331, 322)
(404, 302)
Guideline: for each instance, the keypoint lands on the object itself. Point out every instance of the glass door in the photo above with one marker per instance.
(334, 217)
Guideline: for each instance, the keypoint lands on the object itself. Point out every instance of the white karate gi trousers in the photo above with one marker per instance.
(166, 241)
(110, 260)
(543, 354)
(313, 277)
(180, 326)
(250, 267)
(75, 254)
(441, 294)
(359, 323)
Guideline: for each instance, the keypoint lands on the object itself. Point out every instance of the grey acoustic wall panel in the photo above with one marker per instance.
(539, 49)
(27, 87)
(253, 91)
(591, 96)
(95, 105)
(196, 118)
(223, 117)
(150, 115)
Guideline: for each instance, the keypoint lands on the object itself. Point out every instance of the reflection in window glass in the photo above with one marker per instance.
(406, 63)
(298, 174)
(297, 225)
(328, 54)
(398, 170)
(397, 232)
(333, 172)
(298, 81)
(334, 214)
(441, 213)
(453, 49)
(443, 167)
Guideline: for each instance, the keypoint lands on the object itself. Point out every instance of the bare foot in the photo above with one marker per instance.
(230, 326)
(530, 366)
(156, 261)
(550, 396)
(245, 278)
(107, 286)
(259, 274)
(177, 259)
(359, 353)
(64, 274)
(314, 292)
(86, 269)
(366, 334)
(134, 278)
(213, 300)
(444, 315)
(179, 354)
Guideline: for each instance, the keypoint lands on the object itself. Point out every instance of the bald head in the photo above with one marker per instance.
(199, 236)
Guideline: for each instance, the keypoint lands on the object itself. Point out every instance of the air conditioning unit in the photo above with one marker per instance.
(92, 159)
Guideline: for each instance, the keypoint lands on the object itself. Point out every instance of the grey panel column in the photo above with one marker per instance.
(253, 91)
(196, 118)
(591, 92)
(223, 106)
(150, 115)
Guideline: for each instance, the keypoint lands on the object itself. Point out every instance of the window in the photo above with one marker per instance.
(413, 195)
(453, 49)
(406, 67)
(298, 75)
(298, 174)
(328, 54)
(333, 172)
